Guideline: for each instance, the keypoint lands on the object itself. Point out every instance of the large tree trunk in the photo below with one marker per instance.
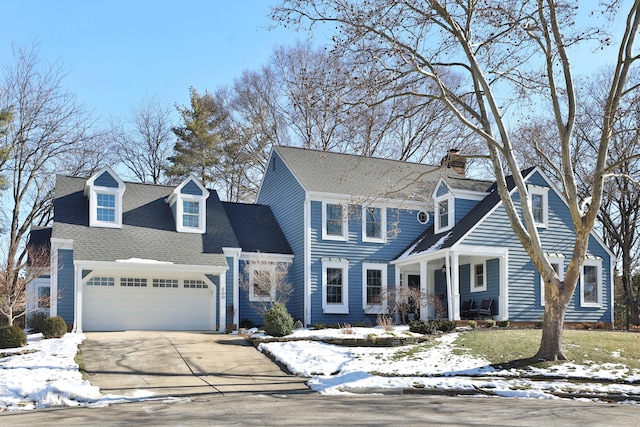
(551, 342)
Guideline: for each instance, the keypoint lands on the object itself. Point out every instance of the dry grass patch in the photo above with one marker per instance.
(504, 347)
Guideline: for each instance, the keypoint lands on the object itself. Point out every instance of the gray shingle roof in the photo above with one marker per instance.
(428, 240)
(256, 228)
(352, 175)
(148, 227)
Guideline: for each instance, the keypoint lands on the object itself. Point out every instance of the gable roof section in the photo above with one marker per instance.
(428, 241)
(353, 175)
(256, 228)
(148, 227)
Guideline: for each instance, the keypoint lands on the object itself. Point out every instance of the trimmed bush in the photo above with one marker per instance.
(503, 323)
(473, 324)
(54, 327)
(489, 323)
(12, 337)
(277, 321)
(246, 323)
(35, 322)
(422, 327)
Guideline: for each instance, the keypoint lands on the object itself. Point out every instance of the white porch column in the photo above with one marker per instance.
(503, 313)
(455, 285)
(235, 253)
(77, 311)
(222, 301)
(398, 274)
(424, 315)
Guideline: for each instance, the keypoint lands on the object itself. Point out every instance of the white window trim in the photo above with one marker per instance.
(426, 214)
(383, 225)
(598, 264)
(451, 214)
(202, 223)
(374, 308)
(333, 308)
(544, 192)
(345, 223)
(472, 282)
(553, 259)
(252, 295)
(93, 208)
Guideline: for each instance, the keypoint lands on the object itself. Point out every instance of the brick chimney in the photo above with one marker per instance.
(455, 161)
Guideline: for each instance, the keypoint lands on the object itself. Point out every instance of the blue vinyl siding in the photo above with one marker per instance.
(66, 290)
(191, 188)
(402, 228)
(247, 309)
(284, 194)
(462, 208)
(442, 189)
(524, 280)
(106, 180)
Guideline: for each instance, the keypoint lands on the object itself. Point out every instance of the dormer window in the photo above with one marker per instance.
(105, 190)
(188, 204)
(444, 218)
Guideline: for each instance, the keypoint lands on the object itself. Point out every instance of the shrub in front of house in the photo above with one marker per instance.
(472, 324)
(35, 322)
(54, 327)
(422, 327)
(12, 337)
(277, 321)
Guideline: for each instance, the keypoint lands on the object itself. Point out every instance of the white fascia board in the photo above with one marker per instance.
(412, 259)
(57, 243)
(232, 252)
(468, 194)
(131, 266)
(264, 256)
(385, 202)
(479, 250)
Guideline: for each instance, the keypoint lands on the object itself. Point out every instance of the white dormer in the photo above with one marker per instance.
(444, 205)
(104, 190)
(188, 204)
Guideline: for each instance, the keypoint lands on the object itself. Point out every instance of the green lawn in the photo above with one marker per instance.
(501, 346)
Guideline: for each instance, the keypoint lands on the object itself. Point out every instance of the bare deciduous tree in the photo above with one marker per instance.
(46, 130)
(507, 54)
(144, 143)
(266, 282)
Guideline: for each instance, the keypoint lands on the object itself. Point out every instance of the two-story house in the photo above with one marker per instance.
(359, 227)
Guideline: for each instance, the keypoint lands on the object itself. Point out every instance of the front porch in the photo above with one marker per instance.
(435, 284)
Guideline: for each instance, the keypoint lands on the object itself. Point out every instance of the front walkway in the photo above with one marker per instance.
(181, 364)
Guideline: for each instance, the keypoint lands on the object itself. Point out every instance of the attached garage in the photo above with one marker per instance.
(143, 300)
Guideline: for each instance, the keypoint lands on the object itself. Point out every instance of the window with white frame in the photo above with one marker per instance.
(374, 288)
(101, 281)
(191, 213)
(334, 221)
(137, 282)
(539, 200)
(104, 191)
(165, 283)
(261, 282)
(44, 297)
(188, 203)
(335, 287)
(106, 207)
(444, 213)
(478, 277)
(557, 262)
(374, 224)
(591, 283)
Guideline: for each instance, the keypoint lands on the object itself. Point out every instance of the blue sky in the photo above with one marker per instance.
(119, 52)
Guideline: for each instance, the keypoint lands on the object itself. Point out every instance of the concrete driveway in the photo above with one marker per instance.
(181, 364)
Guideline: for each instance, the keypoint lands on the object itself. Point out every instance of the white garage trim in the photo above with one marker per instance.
(165, 304)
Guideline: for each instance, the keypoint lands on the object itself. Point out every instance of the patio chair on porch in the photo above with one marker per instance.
(465, 309)
(484, 310)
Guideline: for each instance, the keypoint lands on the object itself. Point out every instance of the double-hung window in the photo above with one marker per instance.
(374, 288)
(539, 200)
(335, 287)
(106, 207)
(262, 286)
(190, 214)
(444, 213)
(373, 224)
(591, 283)
(334, 221)
(478, 278)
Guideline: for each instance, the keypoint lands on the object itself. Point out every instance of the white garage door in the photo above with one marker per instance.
(147, 303)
